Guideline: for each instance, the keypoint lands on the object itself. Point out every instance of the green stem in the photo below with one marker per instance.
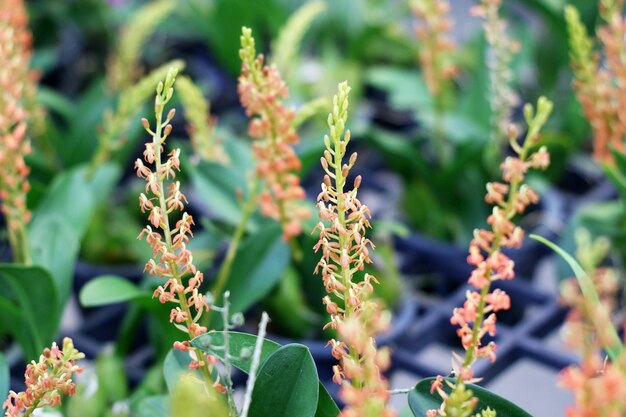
(223, 274)
(18, 239)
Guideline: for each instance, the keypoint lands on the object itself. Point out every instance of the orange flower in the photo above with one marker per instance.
(17, 85)
(45, 380)
(345, 250)
(262, 91)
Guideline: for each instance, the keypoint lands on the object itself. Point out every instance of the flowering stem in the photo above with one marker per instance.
(509, 213)
(353, 313)
(158, 140)
(477, 317)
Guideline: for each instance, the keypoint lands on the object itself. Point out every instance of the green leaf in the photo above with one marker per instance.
(4, 376)
(176, 364)
(615, 347)
(54, 244)
(112, 380)
(60, 221)
(405, 88)
(401, 154)
(75, 192)
(286, 384)
(218, 185)
(239, 342)
(56, 102)
(421, 400)
(79, 141)
(326, 406)
(259, 264)
(154, 406)
(29, 306)
(109, 289)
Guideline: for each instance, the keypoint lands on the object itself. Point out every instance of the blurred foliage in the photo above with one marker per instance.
(369, 42)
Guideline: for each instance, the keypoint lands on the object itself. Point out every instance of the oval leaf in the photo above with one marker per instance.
(109, 289)
(286, 385)
(238, 342)
(421, 400)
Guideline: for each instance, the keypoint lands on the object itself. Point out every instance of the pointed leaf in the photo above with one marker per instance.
(421, 400)
(286, 385)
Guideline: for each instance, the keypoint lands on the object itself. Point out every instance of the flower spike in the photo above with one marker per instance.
(262, 91)
(171, 257)
(477, 317)
(345, 251)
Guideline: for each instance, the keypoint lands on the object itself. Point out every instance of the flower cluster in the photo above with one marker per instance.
(436, 46)
(345, 250)
(601, 89)
(46, 380)
(599, 386)
(502, 98)
(171, 257)
(262, 90)
(477, 317)
(17, 83)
